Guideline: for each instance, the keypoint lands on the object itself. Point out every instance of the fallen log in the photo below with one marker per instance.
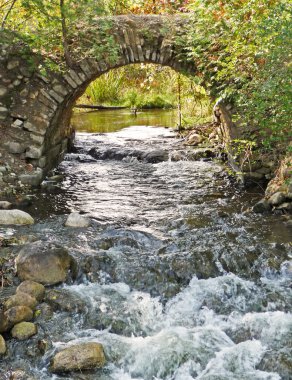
(92, 107)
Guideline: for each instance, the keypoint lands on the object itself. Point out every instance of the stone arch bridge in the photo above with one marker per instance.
(36, 104)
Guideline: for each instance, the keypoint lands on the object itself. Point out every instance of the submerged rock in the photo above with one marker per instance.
(24, 330)
(79, 357)
(155, 156)
(32, 288)
(15, 217)
(65, 300)
(262, 206)
(2, 345)
(77, 220)
(44, 263)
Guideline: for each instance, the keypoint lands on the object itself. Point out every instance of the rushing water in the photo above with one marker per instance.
(177, 280)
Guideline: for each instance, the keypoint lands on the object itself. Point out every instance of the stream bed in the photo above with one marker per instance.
(177, 278)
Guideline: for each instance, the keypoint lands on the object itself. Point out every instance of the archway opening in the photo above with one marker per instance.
(139, 90)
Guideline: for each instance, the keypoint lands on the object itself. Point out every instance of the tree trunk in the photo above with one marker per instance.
(67, 55)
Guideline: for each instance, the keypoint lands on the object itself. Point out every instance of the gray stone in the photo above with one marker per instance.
(79, 357)
(3, 90)
(45, 263)
(34, 152)
(3, 169)
(34, 128)
(39, 139)
(77, 220)
(16, 148)
(4, 205)
(3, 109)
(194, 139)
(15, 217)
(277, 198)
(32, 179)
(262, 206)
(17, 123)
(55, 96)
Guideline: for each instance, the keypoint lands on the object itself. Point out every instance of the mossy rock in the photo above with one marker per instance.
(20, 299)
(2, 345)
(34, 289)
(24, 330)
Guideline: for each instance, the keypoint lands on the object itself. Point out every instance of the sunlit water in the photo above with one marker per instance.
(178, 281)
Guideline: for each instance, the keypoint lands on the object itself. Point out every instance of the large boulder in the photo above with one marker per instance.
(79, 357)
(44, 263)
(24, 330)
(77, 220)
(2, 345)
(15, 217)
(32, 288)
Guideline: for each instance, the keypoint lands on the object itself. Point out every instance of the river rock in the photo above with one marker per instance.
(18, 314)
(24, 330)
(155, 156)
(65, 300)
(44, 263)
(34, 289)
(15, 217)
(79, 357)
(277, 198)
(4, 205)
(20, 299)
(262, 206)
(194, 139)
(2, 345)
(77, 220)
(4, 324)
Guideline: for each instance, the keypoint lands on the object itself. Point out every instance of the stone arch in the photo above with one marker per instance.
(35, 108)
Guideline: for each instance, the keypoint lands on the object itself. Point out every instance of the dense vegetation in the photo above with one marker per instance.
(242, 49)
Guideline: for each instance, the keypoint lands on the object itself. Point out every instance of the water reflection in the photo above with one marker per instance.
(111, 120)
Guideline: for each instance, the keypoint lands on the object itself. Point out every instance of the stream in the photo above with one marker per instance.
(177, 278)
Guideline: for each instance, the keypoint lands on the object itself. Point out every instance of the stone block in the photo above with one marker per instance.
(34, 152)
(55, 96)
(32, 179)
(17, 123)
(70, 81)
(39, 139)
(15, 147)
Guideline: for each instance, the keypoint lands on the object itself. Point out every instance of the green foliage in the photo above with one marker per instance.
(150, 86)
(242, 49)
